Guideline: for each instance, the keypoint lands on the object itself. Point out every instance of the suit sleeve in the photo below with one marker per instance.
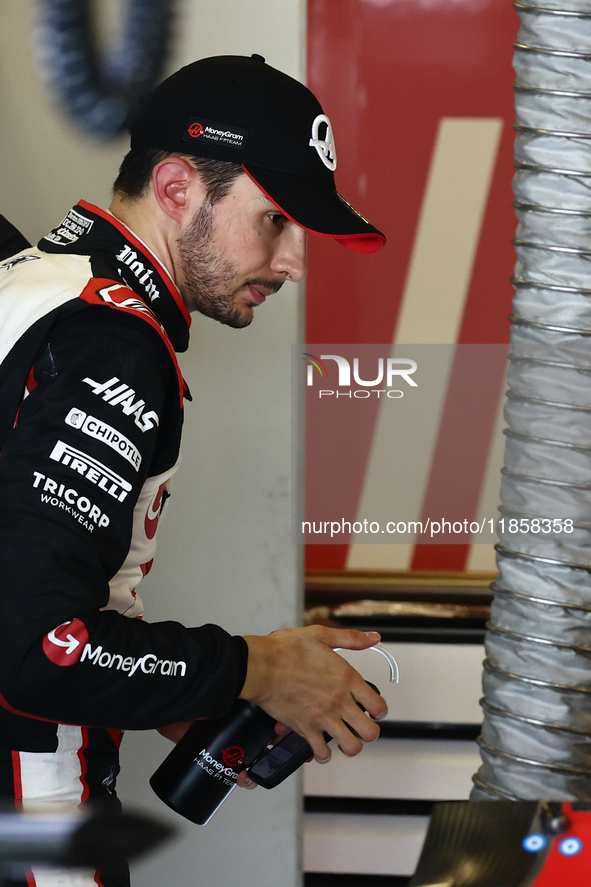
(101, 418)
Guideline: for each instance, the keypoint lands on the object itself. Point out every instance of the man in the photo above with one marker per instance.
(231, 162)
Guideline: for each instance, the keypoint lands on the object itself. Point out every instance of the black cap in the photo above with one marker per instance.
(240, 109)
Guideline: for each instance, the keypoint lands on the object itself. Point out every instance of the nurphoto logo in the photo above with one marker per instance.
(389, 371)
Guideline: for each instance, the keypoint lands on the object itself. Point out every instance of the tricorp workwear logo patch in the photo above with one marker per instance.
(64, 644)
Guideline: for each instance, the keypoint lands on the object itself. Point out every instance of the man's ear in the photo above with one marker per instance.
(177, 188)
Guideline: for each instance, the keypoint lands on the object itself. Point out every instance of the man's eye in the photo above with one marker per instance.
(278, 219)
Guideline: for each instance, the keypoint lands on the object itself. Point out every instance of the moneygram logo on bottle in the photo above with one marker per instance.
(233, 756)
(388, 372)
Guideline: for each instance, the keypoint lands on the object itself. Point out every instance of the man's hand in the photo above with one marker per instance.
(296, 677)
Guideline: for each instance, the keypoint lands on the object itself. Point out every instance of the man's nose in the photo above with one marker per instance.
(290, 255)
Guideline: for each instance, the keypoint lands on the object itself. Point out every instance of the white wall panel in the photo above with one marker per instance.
(439, 683)
(370, 844)
(418, 769)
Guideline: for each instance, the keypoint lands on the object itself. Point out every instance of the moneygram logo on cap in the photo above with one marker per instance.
(240, 109)
(195, 130)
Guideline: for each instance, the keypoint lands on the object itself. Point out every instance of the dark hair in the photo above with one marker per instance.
(135, 173)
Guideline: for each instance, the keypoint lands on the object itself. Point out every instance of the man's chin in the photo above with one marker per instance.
(238, 321)
(237, 318)
(229, 316)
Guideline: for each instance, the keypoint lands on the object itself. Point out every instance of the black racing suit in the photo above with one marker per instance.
(90, 424)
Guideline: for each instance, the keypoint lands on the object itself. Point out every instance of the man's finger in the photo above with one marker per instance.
(244, 781)
(374, 704)
(350, 638)
(282, 729)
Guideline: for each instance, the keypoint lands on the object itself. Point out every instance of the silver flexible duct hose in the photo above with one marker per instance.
(536, 737)
(102, 93)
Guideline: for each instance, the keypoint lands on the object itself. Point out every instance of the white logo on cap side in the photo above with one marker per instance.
(325, 147)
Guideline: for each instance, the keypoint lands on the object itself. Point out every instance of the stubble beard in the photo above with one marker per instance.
(207, 272)
(209, 277)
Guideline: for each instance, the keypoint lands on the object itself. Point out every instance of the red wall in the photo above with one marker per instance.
(386, 73)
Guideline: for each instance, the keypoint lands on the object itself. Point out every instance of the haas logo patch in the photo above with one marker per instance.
(325, 147)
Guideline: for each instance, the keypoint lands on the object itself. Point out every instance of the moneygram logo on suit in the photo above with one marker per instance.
(69, 644)
(390, 370)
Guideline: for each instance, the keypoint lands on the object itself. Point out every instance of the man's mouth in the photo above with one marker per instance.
(258, 295)
(257, 289)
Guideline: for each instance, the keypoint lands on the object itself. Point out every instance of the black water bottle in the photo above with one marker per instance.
(201, 770)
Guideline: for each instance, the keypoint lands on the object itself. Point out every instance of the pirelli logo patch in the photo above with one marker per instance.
(91, 469)
(224, 135)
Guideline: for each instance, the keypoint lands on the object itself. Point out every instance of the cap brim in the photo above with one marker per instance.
(318, 207)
